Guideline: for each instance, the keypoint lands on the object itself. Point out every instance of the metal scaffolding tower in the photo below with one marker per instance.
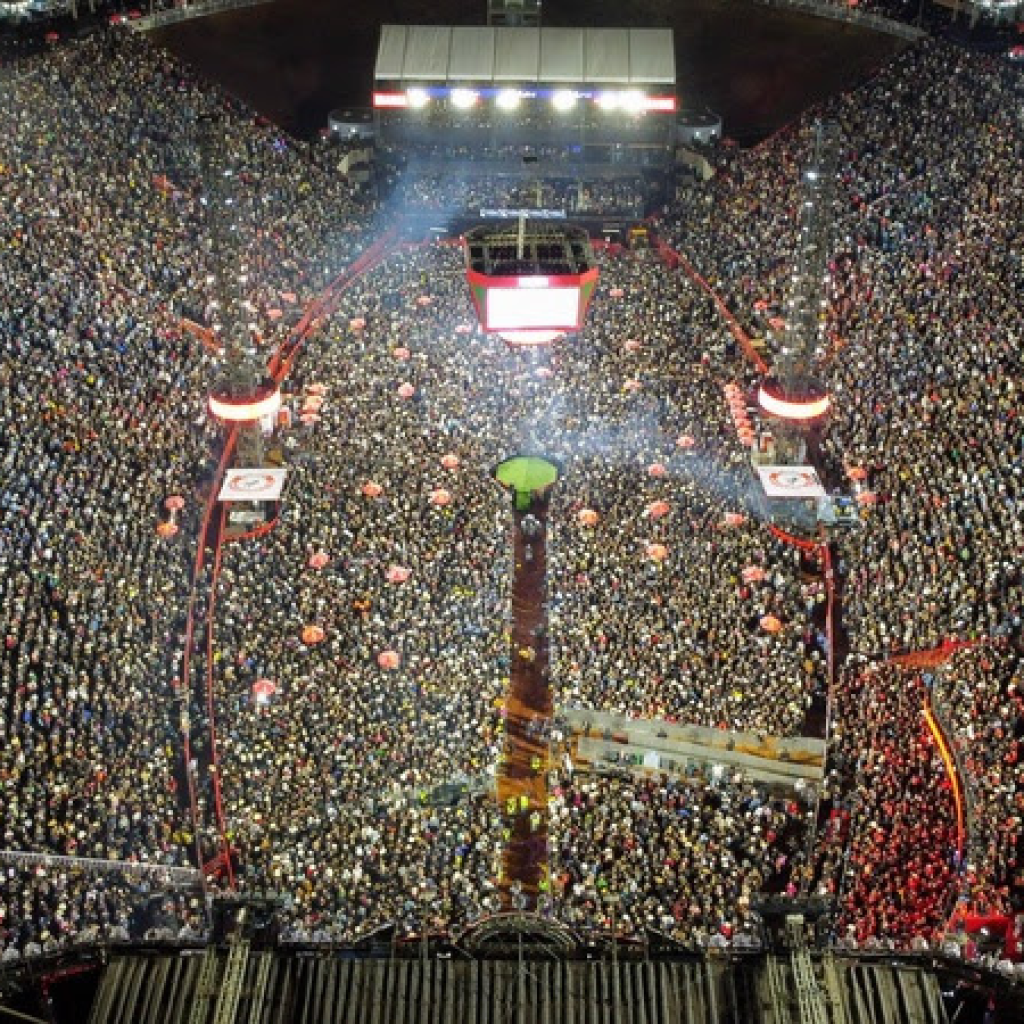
(793, 395)
(240, 383)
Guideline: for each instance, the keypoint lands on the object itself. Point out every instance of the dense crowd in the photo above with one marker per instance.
(102, 401)
(377, 609)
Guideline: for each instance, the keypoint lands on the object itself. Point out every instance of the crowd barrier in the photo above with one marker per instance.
(842, 11)
(175, 15)
(168, 874)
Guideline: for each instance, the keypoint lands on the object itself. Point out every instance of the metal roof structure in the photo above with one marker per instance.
(434, 54)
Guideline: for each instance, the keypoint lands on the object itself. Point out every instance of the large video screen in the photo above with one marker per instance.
(521, 309)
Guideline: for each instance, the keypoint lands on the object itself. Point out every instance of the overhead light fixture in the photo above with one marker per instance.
(418, 98)
(608, 100)
(564, 100)
(463, 99)
(508, 99)
(633, 101)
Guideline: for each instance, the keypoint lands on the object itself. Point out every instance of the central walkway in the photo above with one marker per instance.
(522, 785)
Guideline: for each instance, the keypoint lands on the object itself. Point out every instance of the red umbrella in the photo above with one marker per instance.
(657, 552)
(406, 390)
(734, 519)
(275, 314)
(617, 293)
(753, 574)
(401, 352)
(656, 469)
(685, 442)
(357, 323)
(631, 345)
(263, 690)
(867, 498)
(319, 559)
(389, 660)
(587, 516)
(312, 635)
(450, 461)
(440, 497)
(398, 574)
(770, 624)
(174, 502)
(52, 37)
(371, 489)
(657, 509)
(424, 300)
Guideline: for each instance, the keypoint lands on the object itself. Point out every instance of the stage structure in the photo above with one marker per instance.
(793, 396)
(242, 396)
(530, 281)
(604, 97)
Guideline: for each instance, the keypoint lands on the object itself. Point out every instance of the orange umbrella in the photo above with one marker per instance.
(312, 634)
(167, 529)
(275, 314)
(656, 469)
(372, 489)
(657, 552)
(389, 660)
(423, 300)
(401, 352)
(770, 624)
(587, 516)
(657, 509)
(406, 390)
(440, 497)
(398, 574)
(450, 461)
(867, 498)
(319, 559)
(857, 473)
(174, 502)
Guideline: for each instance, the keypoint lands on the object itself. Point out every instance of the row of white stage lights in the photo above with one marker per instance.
(630, 101)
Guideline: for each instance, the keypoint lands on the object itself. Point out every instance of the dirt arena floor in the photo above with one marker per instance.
(295, 60)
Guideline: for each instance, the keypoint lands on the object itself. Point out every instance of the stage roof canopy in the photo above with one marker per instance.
(549, 56)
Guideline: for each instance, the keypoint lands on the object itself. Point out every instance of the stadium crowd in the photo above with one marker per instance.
(388, 655)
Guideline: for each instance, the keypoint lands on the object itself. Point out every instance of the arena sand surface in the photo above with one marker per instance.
(295, 60)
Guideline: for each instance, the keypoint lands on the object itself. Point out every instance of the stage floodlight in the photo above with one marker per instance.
(464, 99)
(632, 101)
(418, 98)
(564, 100)
(609, 101)
(508, 99)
